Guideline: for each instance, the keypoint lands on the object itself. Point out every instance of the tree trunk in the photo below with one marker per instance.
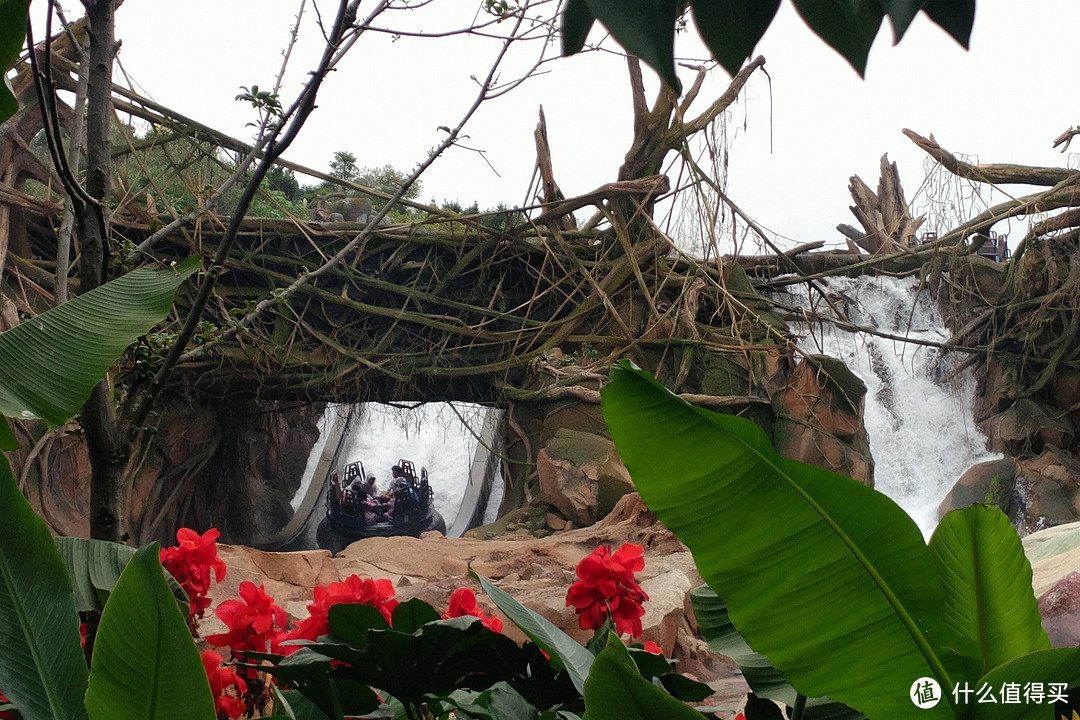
(107, 449)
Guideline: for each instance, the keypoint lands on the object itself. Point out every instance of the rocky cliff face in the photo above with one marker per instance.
(1028, 397)
(235, 468)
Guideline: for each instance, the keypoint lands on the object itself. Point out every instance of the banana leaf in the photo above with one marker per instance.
(94, 566)
(80, 339)
(987, 582)
(145, 664)
(715, 626)
(827, 578)
(42, 669)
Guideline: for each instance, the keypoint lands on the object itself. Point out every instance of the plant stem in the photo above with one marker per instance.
(800, 705)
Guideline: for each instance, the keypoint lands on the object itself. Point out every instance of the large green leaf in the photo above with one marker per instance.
(848, 26)
(826, 577)
(145, 665)
(956, 17)
(1060, 666)
(94, 566)
(615, 690)
(563, 649)
(12, 35)
(731, 28)
(42, 669)
(987, 582)
(577, 21)
(646, 28)
(901, 13)
(81, 339)
(766, 681)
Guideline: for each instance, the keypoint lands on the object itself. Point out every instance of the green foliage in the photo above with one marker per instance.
(827, 578)
(145, 664)
(82, 338)
(764, 680)
(987, 581)
(344, 165)
(12, 34)
(565, 652)
(94, 566)
(180, 174)
(732, 28)
(42, 670)
(283, 181)
(616, 690)
(263, 100)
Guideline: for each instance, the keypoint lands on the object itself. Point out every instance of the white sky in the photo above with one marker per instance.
(1003, 101)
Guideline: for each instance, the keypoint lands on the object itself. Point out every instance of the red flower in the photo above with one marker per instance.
(190, 563)
(5, 715)
(463, 602)
(255, 623)
(606, 582)
(221, 680)
(652, 647)
(354, 589)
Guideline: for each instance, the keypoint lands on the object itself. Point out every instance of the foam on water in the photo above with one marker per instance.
(921, 432)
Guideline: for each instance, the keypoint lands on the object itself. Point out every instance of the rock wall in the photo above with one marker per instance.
(563, 464)
(1028, 396)
(235, 468)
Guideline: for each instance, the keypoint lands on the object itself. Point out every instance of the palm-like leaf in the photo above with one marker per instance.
(987, 581)
(81, 340)
(42, 670)
(826, 577)
(145, 664)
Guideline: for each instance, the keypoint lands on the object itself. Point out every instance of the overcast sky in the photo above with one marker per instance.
(795, 140)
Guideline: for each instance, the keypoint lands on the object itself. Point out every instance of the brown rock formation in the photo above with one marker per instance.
(992, 481)
(819, 419)
(581, 474)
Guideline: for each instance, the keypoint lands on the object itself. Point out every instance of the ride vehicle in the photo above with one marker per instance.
(354, 510)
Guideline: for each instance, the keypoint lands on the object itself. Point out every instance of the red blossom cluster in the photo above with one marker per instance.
(255, 623)
(353, 589)
(463, 602)
(190, 563)
(222, 680)
(606, 583)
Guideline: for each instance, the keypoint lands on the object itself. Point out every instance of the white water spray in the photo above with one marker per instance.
(922, 435)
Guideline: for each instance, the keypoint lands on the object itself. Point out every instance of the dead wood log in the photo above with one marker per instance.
(996, 173)
(551, 194)
(887, 223)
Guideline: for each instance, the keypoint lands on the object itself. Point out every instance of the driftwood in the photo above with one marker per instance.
(887, 224)
(995, 174)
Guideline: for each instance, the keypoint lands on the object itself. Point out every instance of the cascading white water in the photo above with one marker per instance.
(922, 435)
(439, 436)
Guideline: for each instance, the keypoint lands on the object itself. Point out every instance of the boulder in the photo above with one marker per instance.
(986, 482)
(819, 419)
(1055, 556)
(581, 475)
(1047, 491)
(1026, 427)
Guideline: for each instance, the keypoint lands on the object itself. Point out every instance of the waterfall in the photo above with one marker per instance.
(922, 435)
(439, 436)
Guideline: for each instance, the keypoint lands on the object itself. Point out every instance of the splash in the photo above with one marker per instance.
(922, 435)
